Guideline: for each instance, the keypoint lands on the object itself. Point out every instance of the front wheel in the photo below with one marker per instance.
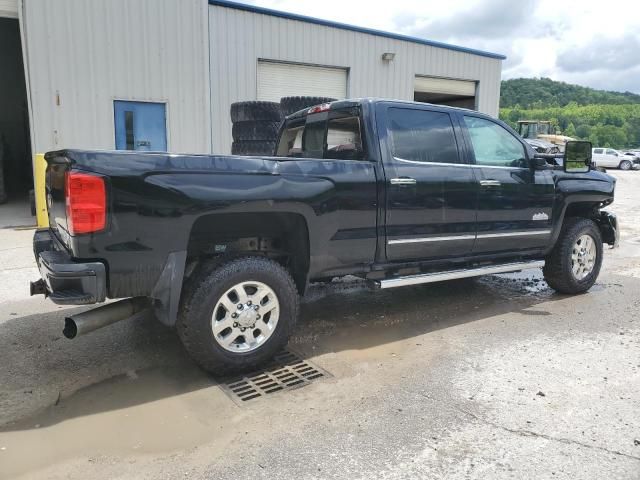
(236, 315)
(574, 263)
(625, 165)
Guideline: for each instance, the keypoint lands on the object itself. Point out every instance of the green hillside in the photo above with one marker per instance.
(608, 119)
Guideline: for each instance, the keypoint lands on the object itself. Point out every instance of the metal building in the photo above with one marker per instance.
(162, 74)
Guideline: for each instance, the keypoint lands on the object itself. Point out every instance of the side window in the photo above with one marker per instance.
(493, 145)
(422, 136)
(344, 141)
(598, 151)
(612, 152)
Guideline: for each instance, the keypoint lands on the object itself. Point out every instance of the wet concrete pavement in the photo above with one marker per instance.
(496, 377)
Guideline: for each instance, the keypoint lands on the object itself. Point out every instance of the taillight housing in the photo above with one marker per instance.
(86, 202)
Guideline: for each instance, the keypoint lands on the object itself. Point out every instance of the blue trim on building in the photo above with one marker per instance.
(353, 28)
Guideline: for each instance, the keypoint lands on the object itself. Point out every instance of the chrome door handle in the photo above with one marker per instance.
(403, 181)
(490, 183)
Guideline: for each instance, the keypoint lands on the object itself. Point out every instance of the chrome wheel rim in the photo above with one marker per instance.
(245, 316)
(583, 256)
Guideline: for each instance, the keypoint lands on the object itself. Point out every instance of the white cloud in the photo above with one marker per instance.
(589, 42)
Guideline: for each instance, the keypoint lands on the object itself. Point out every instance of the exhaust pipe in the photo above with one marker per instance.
(91, 320)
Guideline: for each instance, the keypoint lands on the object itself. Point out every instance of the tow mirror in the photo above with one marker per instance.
(577, 157)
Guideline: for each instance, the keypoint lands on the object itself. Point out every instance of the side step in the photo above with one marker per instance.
(454, 274)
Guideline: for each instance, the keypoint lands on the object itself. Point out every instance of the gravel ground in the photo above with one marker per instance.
(496, 377)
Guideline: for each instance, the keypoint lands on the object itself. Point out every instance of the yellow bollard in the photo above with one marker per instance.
(39, 171)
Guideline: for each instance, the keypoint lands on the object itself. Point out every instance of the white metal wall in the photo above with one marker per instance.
(83, 54)
(238, 39)
(9, 8)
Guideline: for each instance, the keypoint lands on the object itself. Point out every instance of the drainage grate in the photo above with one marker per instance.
(285, 372)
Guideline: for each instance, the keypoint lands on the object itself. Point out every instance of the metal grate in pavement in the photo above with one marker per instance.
(285, 372)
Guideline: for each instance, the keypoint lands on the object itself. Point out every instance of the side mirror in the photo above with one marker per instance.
(577, 157)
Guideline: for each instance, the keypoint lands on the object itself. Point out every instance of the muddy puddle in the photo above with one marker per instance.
(168, 408)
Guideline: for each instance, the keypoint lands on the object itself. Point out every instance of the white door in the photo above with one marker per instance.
(613, 158)
(277, 80)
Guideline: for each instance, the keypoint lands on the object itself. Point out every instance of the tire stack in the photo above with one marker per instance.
(291, 105)
(255, 127)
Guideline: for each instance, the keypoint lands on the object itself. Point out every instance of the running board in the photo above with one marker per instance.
(454, 274)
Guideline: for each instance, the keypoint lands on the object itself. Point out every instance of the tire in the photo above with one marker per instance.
(558, 267)
(625, 165)
(208, 286)
(255, 131)
(291, 105)
(252, 111)
(253, 148)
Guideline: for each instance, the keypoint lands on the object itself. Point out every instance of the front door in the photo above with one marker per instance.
(431, 193)
(515, 201)
(140, 126)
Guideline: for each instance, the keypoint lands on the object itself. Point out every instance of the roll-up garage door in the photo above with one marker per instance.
(445, 91)
(445, 86)
(277, 80)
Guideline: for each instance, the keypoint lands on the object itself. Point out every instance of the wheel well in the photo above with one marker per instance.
(281, 236)
(581, 209)
(590, 210)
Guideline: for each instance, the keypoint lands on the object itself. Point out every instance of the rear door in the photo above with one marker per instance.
(515, 201)
(430, 192)
(598, 157)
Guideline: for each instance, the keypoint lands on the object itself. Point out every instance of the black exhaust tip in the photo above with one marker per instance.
(70, 329)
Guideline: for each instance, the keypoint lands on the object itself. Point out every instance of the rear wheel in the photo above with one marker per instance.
(625, 165)
(574, 263)
(236, 315)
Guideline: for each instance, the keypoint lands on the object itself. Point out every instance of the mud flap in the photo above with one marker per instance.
(166, 293)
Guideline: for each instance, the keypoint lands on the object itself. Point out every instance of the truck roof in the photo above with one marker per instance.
(355, 102)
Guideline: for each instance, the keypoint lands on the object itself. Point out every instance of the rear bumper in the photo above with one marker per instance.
(64, 280)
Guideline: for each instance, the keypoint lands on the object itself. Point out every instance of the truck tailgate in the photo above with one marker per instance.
(55, 194)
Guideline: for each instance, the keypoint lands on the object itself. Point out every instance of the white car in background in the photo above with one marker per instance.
(610, 158)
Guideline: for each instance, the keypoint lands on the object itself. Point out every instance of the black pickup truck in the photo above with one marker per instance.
(398, 193)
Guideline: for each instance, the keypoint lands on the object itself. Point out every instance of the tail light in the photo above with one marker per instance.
(319, 108)
(86, 201)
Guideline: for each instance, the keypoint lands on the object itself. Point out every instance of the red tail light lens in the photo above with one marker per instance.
(319, 108)
(86, 201)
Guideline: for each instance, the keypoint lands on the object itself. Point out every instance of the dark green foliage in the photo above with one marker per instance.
(607, 119)
(530, 93)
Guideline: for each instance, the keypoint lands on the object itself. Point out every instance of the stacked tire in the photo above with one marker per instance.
(255, 127)
(290, 105)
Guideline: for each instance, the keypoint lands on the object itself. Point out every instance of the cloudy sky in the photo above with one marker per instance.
(590, 42)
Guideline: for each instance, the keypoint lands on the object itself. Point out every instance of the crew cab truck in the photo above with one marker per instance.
(398, 193)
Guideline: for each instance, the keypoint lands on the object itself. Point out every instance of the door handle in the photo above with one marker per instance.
(490, 183)
(403, 181)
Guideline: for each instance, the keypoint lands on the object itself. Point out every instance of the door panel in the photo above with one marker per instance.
(514, 201)
(431, 196)
(140, 126)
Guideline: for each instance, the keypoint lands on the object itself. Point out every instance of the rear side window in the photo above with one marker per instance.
(327, 135)
(422, 136)
(611, 152)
